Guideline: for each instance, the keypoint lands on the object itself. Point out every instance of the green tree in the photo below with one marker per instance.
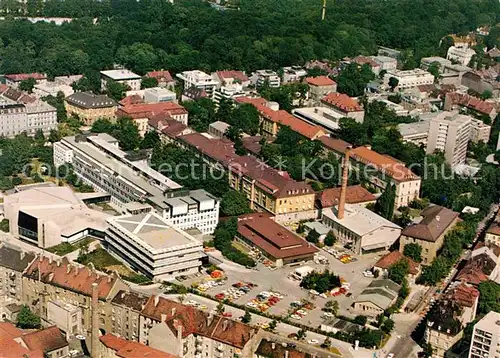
(301, 334)
(220, 308)
(272, 325)
(39, 137)
(127, 133)
(234, 203)
(313, 236)
(360, 319)
(398, 271)
(385, 202)
(27, 85)
(353, 79)
(489, 298)
(434, 69)
(387, 326)
(4, 225)
(326, 343)
(149, 82)
(393, 83)
(413, 251)
(247, 317)
(116, 90)
(151, 139)
(102, 125)
(54, 136)
(27, 319)
(487, 94)
(330, 239)
(331, 306)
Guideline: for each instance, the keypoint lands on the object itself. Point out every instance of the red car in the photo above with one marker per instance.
(227, 314)
(219, 296)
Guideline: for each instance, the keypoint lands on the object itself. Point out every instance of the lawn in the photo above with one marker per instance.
(65, 248)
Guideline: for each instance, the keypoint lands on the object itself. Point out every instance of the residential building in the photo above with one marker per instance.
(344, 105)
(320, 86)
(66, 316)
(265, 187)
(321, 116)
(386, 63)
(448, 317)
(364, 60)
(416, 132)
(389, 52)
(408, 79)
(13, 262)
(272, 120)
(334, 146)
(356, 225)
(13, 119)
(485, 340)
(89, 107)
(430, 232)
(153, 246)
(40, 116)
(123, 76)
(383, 265)
(126, 308)
(473, 105)
(377, 297)
(355, 194)
(482, 80)
(480, 132)
(441, 62)
(115, 347)
(230, 78)
(187, 332)
(164, 79)
(460, 54)
(450, 132)
(493, 232)
(13, 80)
(199, 80)
(52, 89)
(218, 129)
(47, 280)
(293, 74)
(261, 232)
(48, 216)
(47, 342)
(67, 80)
(399, 109)
(159, 94)
(99, 162)
(168, 129)
(482, 265)
(266, 76)
(384, 170)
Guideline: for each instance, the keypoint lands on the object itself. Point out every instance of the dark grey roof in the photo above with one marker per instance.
(129, 299)
(89, 100)
(15, 259)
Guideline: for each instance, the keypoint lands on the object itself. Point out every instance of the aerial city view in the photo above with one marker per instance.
(250, 178)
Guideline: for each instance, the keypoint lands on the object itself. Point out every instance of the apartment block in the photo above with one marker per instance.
(320, 86)
(89, 107)
(416, 132)
(408, 79)
(13, 80)
(460, 54)
(344, 106)
(126, 308)
(199, 80)
(486, 337)
(123, 76)
(386, 63)
(164, 79)
(480, 132)
(262, 76)
(293, 74)
(13, 119)
(153, 246)
(450, 133)
(40, 116)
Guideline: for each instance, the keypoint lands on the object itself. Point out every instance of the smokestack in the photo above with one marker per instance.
(179, 339)
(95, 322)
(343, 190)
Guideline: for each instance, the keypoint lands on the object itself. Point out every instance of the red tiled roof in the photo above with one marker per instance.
(355, 194)
(230, 332)
(255, 101)
(276, 183)
(252, 144)
(472, 273)
(24, 76)
(362, 60)
(8, 330)
(131, 349)
(464, 295)
(168, 126)
(342, 102)
(70, 276)
(15, 350)
(495, 226)
(273, 238)
(320, 81)
(335, 144)
(160, 76)
(46, 340)
(239, 75)
(426, 88)
(436, 220)
(384, 163)
(395, 256)
(147, 110)
(470, 102)
(26, 99)
(3, 88)
(129, 100)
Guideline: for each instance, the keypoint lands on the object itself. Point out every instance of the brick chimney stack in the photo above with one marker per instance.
(95, 322)
(343, 190)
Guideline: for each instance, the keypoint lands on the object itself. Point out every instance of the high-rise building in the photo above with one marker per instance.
(486, 337)
(450, 132)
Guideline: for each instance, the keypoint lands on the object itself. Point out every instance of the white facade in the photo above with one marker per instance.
(322, 116)
(267, 75)
(450, 132)
(486, 337)
(416, 133)
(199, 80)
(386, 63)
(150, 244)
(52, 89)
(125, 77)
(13, 120)
(158, 94)
(480, 132)
(40, 115)
(409, 78)
(293, 74)
(461, 54)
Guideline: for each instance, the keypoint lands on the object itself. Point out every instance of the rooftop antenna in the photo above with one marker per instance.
(323, 12)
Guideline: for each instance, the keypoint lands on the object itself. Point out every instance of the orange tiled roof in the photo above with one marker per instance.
(129, 100)
(72, 277)
(355, 194)
(46, 340)
(342, 102)
(362, 60)
(320, 81)
(147, 110)
(230, 332)
(131, 349)
(24, 76)
(395, 256)
(384, 163)
(335, 144)
(160, 75)
(470, 102)
(464, 295)
(239, 75)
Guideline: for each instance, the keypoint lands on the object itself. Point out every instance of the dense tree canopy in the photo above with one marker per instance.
(189, 34)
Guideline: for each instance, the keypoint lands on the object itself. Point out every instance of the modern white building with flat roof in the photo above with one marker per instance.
(261, 76)
(385, 62)
(416, 132)
(150, 244)
(122, 76)
(199, 80)
(409, 78)
(322, 116)
(486, 337)
(460, 54)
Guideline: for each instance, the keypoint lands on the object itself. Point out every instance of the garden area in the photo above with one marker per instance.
(321, 281)
(65, 248)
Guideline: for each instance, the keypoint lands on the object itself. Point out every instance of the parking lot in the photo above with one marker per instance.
(273, 292)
